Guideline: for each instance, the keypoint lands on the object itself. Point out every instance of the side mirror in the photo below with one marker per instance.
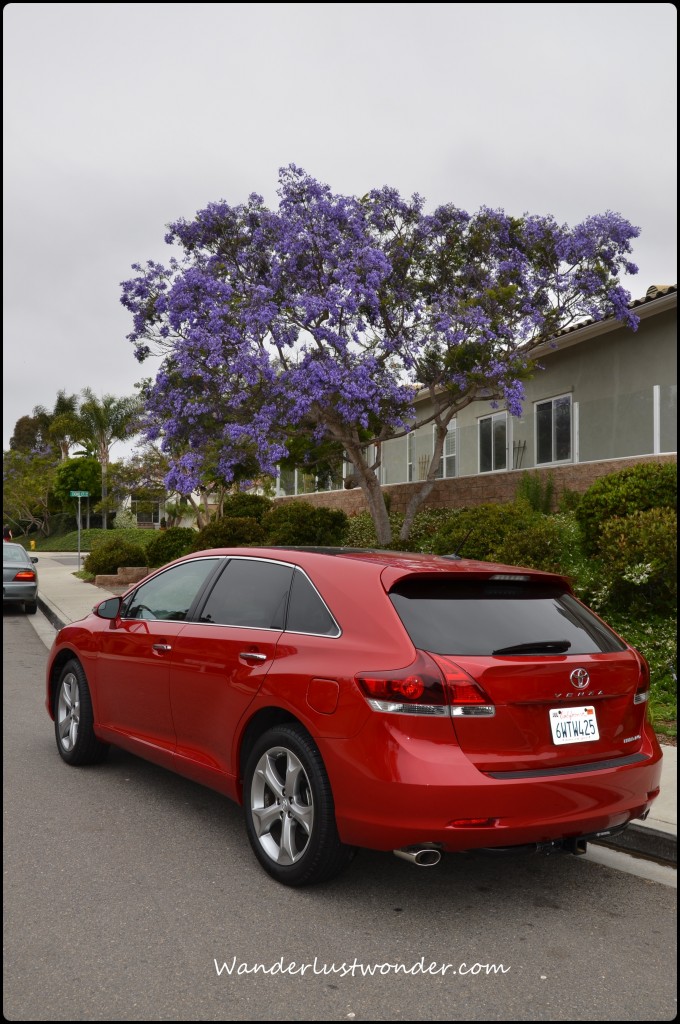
(109, 609)
(34, 559)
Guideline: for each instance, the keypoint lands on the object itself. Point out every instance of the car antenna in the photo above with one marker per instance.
(457, 554)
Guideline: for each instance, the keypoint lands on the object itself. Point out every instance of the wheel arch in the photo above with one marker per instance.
(263, 719)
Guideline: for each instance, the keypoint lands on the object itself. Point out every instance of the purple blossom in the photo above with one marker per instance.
(329, 312)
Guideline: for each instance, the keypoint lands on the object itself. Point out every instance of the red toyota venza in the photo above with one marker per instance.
(354, 698)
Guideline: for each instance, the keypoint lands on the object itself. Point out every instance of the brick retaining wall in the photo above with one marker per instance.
(491, 488)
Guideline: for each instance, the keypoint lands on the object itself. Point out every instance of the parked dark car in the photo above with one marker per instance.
(19, 577)
(353, 698)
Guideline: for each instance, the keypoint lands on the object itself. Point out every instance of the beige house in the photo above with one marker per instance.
(605, 396)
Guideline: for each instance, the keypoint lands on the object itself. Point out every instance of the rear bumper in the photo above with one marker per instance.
(425, 793)
(19, 592)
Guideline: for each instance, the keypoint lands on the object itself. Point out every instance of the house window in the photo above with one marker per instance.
(553, 430)
(493, 443)
(447, 462)
(410, 456)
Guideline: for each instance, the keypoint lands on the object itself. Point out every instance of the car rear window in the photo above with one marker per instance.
(486, 617)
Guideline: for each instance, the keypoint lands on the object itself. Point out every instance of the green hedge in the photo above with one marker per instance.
(636, 489)
(170, 544)
(231, 532)
(638, 558)
(300, 522)
(108, 556)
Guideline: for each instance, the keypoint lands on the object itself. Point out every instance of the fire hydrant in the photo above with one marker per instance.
(32, 545)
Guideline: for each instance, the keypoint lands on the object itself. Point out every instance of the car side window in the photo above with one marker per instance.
(250, 592)
(307, 612)
(171, 594)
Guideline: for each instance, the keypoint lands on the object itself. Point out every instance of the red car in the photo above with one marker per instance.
(354, 698)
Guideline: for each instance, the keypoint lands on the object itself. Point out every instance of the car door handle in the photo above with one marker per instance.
(161, 647)
(252, 656)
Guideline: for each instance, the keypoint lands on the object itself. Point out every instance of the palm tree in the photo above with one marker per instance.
(102, 422)
(64, 423)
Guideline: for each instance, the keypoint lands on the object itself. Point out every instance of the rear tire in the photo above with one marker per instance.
(289, 809)
(74, 719)
(30, 607)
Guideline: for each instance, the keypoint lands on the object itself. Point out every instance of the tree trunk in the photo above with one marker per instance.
(370, 485)
(425, 490)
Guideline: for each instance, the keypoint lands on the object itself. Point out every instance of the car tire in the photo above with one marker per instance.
(289, 809)
(74, 719)
(30, 607)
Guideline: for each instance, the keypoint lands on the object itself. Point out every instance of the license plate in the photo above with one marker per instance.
(573, 725)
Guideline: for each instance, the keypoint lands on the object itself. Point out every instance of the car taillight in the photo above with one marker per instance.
(642, 691)
(432, 685)
(417, 689)
(466, 696)
(25, 574)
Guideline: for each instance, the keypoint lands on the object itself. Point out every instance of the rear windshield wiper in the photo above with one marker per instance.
(537, 646)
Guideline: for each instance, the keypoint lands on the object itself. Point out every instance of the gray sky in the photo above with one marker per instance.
(120, 118)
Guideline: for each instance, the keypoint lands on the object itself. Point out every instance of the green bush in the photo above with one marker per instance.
(542, 544)
(361, 531)
(107, 556)
(425, 526)
(538, 489)
(246, 506)
(90, 538)
(479, 532)
(300, 522)
(638, 562)
(637, 489)
(125, 519)
(169, 544)
(232, 532)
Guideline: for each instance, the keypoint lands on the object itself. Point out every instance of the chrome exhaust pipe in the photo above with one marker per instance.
(421, 856)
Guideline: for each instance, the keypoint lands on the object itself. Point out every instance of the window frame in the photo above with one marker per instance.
(492, 417)
(551, 402)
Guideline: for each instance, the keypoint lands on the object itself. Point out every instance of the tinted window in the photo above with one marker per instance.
(170, 595)
(250, 593)
(487, 616)
(306, 611)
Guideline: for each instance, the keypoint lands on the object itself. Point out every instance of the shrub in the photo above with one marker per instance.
(539, 545)
(170, 544)
(361, 531)
(246, 506)
(232, 532)
(300, 522)
(426, 524)
(125, 519)
(636, 489)
(638, 556)
(538, 490)
(107, 556)
(479, 532)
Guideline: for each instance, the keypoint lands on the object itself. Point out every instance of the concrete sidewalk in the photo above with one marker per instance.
(63, 598)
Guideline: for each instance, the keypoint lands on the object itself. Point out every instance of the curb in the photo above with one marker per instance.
(646, 842)
(50, 614)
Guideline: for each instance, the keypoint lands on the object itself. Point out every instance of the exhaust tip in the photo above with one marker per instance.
(421, 856)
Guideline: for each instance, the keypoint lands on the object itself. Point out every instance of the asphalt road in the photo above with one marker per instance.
(126, 890)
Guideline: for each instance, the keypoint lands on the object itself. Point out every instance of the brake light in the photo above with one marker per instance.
(417, 689)
(642, 691)
(25, 574)
(432, 685)
(466, 696)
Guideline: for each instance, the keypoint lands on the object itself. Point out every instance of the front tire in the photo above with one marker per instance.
(74, 719)
(289, 810)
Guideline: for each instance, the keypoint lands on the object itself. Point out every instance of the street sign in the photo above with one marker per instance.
(80, 494)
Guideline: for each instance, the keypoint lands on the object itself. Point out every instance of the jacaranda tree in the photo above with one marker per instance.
(330, 313)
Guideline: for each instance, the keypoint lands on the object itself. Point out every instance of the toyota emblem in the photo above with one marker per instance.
(579, 678)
